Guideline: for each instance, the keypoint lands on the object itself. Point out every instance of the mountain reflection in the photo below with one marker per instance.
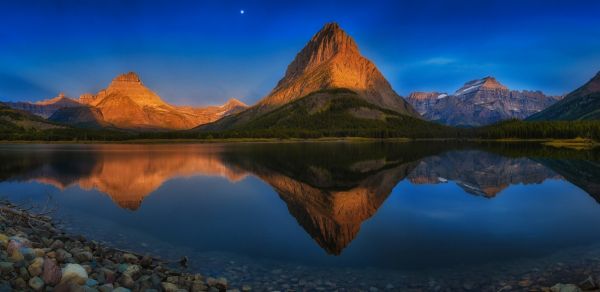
(329, 188)
(480, 173)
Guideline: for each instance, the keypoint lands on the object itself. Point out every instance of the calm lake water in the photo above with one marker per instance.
(328, 215)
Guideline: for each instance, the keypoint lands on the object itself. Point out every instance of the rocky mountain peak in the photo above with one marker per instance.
(128, 77)
(486, 83)
(331, 59)
(328, 42)
(233, 102)
(492, 83)
(53, 100)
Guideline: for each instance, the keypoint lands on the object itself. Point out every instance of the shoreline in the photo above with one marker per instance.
(575, 143)
(37, 255)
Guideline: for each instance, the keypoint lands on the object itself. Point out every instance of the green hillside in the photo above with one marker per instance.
(12, 120)
(581, 104)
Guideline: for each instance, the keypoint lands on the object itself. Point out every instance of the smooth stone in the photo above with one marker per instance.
(23, 273)
(126, 281)
(39, 252)
(62, 255)
(6, 267)
(3, 240)
(51, 272)
(15, 243)
(220, 283)
(109, 275)
(28, 253)
(122, 289)
(109, 288)
(84, 256)
(133, 271)
(57, 244)
(588, 284)
(16, 256)
(91, 282)
(146, 261)
(35, 268)
(123, 267)
(36, 283)
(565, 288)
(169, 287)
(129, 258)
(20, 283)
(246, 288)
(74, 273)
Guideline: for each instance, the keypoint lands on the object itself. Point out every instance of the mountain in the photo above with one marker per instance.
(479, 102)
(14, 121)
(581, 104)
(330, 60)
(336, 112)
(45, 108)
(81, 117)
(128, 103)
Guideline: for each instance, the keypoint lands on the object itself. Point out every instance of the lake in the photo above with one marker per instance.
(331, 215)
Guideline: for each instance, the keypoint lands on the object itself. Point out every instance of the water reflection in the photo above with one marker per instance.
(329, 188)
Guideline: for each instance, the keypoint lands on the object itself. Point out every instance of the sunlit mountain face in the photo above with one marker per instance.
(330, 189)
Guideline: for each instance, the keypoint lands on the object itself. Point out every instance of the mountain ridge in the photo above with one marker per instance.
(127, 103)
(479, 102)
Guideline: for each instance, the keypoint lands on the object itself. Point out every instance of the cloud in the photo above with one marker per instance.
(439, 61)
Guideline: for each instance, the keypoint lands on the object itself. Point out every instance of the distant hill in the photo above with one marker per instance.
(330, 60)
(81, 117)
(45, 108)
(480, 102)
(12, 120)
(581, 104)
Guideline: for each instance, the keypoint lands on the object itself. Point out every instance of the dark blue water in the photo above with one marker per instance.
(410, 207)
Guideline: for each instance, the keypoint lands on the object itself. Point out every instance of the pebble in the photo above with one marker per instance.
(169, 287)
(35, 268)
(6, 267)
(565, 288)
(36, 283)
(51, 272)
(74, 273)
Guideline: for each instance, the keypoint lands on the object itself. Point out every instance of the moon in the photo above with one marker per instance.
(242, 11)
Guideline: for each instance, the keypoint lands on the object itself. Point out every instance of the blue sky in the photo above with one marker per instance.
(204, 52)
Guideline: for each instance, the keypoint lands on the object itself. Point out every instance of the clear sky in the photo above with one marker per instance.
(204, 52)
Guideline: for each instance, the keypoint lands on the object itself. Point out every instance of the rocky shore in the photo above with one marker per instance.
(38, 256)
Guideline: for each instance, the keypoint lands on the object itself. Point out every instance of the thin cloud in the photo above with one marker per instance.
(440, 61)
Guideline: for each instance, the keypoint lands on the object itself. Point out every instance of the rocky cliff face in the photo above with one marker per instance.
(581, 104)
(127, 103)
(45, 108)
(331, 59)
(480, 102)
